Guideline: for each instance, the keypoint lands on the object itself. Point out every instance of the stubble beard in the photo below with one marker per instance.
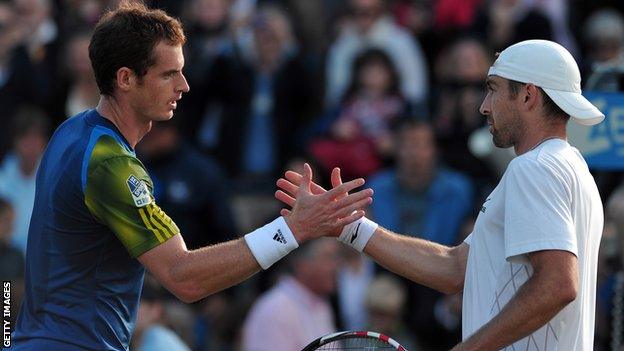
(501, 140)
(508, 135)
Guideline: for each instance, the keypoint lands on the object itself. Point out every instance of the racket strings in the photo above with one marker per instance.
(356, 344)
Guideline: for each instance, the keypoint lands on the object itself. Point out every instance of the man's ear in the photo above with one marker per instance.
(125, 78)
(531, 96)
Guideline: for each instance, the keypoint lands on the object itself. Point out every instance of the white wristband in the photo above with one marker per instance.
(358, 233)
(271, 242)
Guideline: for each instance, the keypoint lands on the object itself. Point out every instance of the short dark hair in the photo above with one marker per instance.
(550, 107)
(126, 37)
(368, 57)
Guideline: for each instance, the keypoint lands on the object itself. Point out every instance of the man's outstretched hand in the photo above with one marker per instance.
(336, 207)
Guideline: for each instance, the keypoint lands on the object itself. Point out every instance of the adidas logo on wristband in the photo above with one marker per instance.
(279, 237)
(271, 242)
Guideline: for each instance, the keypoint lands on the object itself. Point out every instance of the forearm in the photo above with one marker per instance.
(534, 305)
(436, 266)
(211, 269)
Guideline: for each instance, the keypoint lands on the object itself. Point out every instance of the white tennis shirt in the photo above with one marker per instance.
(546, 200)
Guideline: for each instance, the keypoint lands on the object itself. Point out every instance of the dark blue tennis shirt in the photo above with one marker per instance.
(94, 213)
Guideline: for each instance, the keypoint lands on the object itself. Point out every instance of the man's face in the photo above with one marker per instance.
(154, 96)
(30, 146)
(366, 13)
(318, 272)
(417, 149)
(505, 122)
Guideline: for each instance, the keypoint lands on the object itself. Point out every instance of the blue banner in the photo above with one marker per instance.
(602, 145)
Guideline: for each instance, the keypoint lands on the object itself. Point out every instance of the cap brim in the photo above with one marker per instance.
(577, 106)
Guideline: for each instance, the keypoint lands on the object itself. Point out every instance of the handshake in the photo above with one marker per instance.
(314, 212)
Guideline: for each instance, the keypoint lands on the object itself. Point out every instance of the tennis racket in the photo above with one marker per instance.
(355, 341)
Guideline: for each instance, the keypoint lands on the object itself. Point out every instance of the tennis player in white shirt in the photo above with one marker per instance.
(528, 270)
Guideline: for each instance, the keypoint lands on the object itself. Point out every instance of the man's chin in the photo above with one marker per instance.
(500, 143)
(164, 118)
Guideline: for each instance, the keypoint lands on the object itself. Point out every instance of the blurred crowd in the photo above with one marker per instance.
(388, 90)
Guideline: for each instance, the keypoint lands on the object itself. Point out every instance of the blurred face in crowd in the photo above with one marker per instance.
(32, 12)
(317, 271)
(154, 96)
(505, 122)
(78, 57)
(471, 62)
(375, 78)
(605, 50)
(210, 14)
(366, 13)
(7, 217)
(271, 34)
(30, 146)
(416, 149)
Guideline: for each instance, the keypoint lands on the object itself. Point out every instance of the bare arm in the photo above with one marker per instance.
(553, 286)
(192, 275)
(437, 266)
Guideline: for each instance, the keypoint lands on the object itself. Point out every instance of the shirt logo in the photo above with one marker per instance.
(279, 237)
(139, 192)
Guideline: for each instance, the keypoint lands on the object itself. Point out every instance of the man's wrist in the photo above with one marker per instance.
(271, 242)
(358, 233)
(295, 230)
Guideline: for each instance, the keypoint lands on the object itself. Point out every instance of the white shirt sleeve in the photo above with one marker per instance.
(538, 212)
(468, 239)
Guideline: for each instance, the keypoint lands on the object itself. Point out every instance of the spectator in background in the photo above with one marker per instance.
(370, 25)
(460, 70)
(420, 196)
(189, 186)
(151, 334)
(296, 310)
(385, 300)
(603, 34)
(19, 168)
(501, 23)
(209, 37)
(558, 14)
(357, 135)
(610, 295)
(354, 276)
(76, 90)
(263, 102)
(41, 45)
(11, 259)
(80, 14)
(27, 58)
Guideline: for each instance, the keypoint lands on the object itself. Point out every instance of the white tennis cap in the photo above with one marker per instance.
(549, 66)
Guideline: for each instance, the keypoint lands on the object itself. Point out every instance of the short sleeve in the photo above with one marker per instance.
(538, 213)
(119, 195)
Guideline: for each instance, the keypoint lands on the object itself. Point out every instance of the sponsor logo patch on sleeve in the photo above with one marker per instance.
(139, 192)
